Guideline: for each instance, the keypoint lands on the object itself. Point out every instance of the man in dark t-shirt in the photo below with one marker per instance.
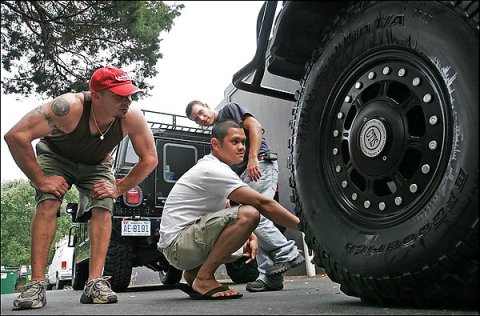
(77, 132)
(276, 254)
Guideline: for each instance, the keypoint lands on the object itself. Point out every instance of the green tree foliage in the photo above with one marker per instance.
(17, 210)
(53, 47)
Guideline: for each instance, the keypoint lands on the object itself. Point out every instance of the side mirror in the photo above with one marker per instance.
(71, 209)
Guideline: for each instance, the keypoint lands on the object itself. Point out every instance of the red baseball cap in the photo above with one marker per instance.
(113, 79)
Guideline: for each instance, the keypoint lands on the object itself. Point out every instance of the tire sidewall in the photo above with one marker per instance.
(433, 31)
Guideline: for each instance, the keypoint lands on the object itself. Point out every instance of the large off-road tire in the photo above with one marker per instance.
(385, 153)
(118, 264)
(79, 273)
(240, 272)
(170, 275)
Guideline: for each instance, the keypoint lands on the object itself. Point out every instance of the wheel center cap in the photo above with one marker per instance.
(373, 137)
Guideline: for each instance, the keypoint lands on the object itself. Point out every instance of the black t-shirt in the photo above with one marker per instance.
(237, 113)
(80, 145)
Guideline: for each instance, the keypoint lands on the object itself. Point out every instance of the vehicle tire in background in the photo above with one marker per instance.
(240, 272)
(170, 275)
(385, 153)
(79, 273)
(59, 284)
(118, 264)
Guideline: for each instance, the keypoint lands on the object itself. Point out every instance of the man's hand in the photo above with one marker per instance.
(103, 189)
(250, 248)
(55, 185)
(253, 168)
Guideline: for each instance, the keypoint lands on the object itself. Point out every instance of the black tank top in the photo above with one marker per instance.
(80, 145)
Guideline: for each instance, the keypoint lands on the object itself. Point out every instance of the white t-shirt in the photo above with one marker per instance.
(202, 189)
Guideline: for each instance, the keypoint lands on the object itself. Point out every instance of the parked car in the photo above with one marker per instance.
(59, 272)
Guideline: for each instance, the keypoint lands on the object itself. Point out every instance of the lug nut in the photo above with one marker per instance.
(381, 206)
(413, 188)
(432, 145)
(433, 120)
(366, 204)
(402, 72)
(358, 85)
(427, 98)
(386, 70)
(348, 99)
(340, 115)
(425, 169)
(398, 200)
(371, 75)
(354, 196)
(344, 184)
(335, 151)
(416, 81)
(338, 168)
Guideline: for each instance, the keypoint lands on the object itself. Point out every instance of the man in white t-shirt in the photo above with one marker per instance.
(197, 233)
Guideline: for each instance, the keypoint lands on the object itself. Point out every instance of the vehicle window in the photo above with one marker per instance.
(177, 160)
(131, 157)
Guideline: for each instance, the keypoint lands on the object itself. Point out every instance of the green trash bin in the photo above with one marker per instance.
(9, 279)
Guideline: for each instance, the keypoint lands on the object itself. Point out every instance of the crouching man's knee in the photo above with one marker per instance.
(248, 215)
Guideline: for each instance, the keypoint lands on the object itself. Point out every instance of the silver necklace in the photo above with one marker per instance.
(102, 137)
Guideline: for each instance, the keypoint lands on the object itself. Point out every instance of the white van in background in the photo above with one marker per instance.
(59, 272)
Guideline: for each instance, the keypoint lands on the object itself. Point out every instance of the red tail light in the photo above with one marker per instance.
(133, 196)
(64, 265)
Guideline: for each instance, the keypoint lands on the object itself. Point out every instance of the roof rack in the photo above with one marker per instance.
(161, 120)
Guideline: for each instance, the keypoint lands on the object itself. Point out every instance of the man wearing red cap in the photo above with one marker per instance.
(77, 133)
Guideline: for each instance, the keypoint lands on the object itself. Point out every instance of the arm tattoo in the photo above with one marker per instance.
(51, 123)
(60, 107)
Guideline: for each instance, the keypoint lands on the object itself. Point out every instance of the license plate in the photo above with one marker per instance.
(135, 228)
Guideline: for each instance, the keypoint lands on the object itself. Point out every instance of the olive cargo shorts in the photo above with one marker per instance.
(82, 175)
(192, 245)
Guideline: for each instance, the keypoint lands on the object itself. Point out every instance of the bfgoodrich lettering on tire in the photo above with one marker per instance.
(385, 153)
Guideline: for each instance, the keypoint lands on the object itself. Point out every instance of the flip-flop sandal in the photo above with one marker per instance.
(185, 288)
(207, 296)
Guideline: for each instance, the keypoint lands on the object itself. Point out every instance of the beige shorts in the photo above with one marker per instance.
(192, 246)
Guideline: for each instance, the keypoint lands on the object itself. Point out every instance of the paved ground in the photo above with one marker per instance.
(301, 295)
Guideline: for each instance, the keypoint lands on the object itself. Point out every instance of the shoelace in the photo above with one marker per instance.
(32, 286)
(103, 285)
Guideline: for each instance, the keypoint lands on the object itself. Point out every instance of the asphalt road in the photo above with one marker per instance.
(301, 295)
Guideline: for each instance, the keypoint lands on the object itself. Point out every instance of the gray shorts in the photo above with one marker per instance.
(83, 176)
(192, 245)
